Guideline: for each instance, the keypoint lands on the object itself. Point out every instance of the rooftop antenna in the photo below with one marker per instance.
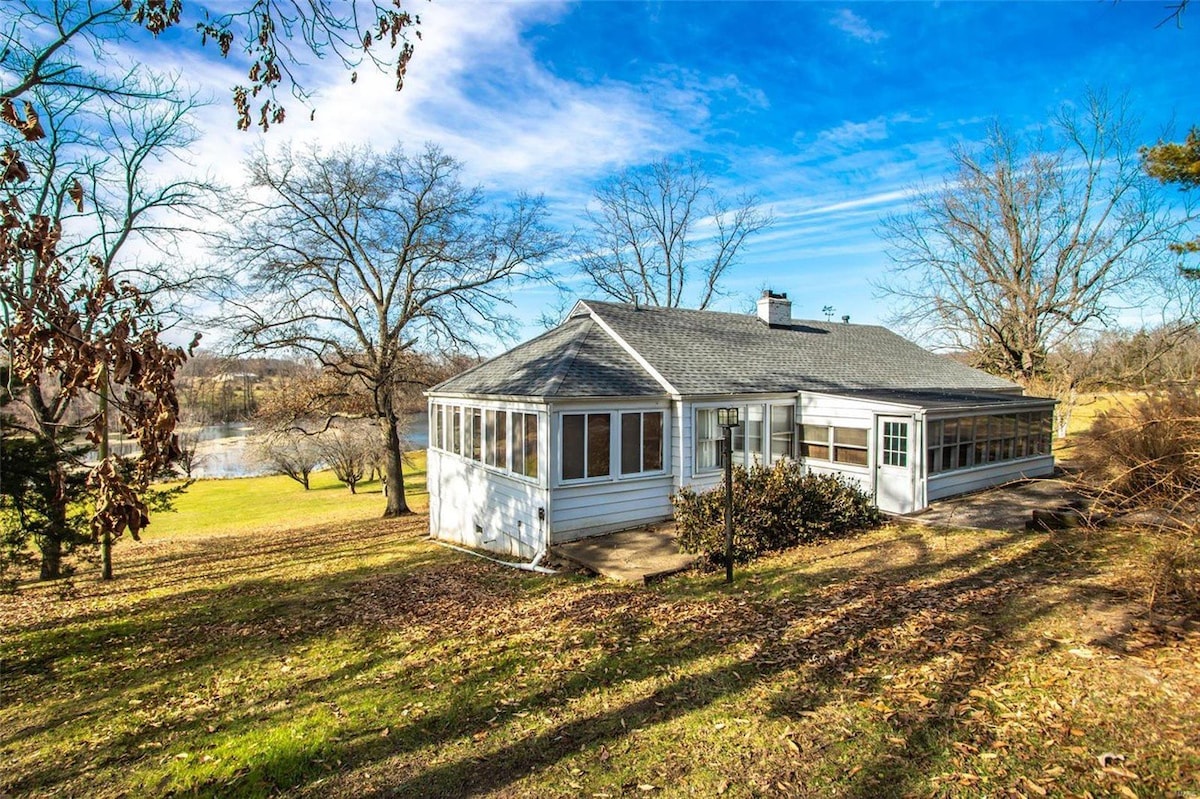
(828, 311)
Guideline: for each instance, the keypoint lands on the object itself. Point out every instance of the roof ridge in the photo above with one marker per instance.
(484, 363)
(568, 359)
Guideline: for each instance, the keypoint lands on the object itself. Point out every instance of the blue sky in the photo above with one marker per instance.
(828, 112)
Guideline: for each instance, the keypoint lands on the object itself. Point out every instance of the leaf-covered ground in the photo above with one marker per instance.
(360, 659)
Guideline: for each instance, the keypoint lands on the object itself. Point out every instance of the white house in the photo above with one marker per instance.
(591, 427)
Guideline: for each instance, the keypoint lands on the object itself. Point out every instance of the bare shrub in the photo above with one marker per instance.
(1145, 459)
(1146, 455)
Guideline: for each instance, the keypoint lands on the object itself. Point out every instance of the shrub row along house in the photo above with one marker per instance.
(592, 426)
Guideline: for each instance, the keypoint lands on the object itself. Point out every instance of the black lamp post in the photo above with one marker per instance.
(727, 418)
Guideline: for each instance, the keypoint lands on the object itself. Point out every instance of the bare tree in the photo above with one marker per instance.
(43, 39)
(356, 257)
(79, 330)
(351, 449)
(1031, 242)
(291, 452)
(661, 235)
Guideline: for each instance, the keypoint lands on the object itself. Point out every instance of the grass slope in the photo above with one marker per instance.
(359, 659)
(222, 507)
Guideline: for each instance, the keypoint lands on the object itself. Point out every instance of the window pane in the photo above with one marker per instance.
(631, 443)
(652, 441)
(933, 460)
(817, 434)
(489, 438)
(851, 436)
(817, 451)
(501, 440)
(597, 444)
(851, 455)
(572, 446)
(456, 430)
(782, 428)
(895, 443)
(476, 434)
(531, 445)
(708, 441)
(754, 433)
(949, 431)
(964, 454)
(966, 429)
(438, 436)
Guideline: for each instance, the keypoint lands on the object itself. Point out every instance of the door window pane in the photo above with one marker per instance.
(895, 444)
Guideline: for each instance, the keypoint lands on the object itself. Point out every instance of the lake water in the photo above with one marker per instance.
(223, 450)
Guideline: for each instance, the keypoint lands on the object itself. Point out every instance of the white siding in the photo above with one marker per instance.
(963, 481)
(481, 508)
(602, 505)
(595, 508)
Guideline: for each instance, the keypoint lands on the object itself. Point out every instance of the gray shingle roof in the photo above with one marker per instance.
(707, 352)
(575, 359)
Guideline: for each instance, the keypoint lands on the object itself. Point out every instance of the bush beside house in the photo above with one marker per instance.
(774, 508)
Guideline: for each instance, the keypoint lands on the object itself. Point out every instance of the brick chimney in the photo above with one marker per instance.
(775, 309)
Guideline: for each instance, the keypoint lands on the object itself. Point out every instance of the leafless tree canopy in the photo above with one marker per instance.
(47, 42)
(1031, 241)
(663, 236)
(356, 257)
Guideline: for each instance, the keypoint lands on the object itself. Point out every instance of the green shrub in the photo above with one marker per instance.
(773, 508)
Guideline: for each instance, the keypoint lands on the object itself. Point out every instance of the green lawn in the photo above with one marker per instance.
(353, 659)
(221, 507)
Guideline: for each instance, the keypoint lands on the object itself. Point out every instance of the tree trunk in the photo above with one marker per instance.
(397, 504)
(51, 543)
(51, 558)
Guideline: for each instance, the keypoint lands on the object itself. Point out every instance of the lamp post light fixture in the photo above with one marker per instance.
(727, 418)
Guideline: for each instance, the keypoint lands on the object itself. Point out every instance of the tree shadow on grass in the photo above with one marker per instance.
(820, 629)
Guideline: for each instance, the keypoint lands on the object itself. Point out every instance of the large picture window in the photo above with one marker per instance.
(586, 440)
(641, 442)
(971, 441)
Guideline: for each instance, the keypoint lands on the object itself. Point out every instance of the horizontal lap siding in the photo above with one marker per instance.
(465, 494)
(948, 484)
(593, 508)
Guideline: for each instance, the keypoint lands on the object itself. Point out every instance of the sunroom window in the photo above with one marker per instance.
(585, 445)
(641, 442)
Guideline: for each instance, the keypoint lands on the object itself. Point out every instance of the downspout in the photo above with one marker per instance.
(532, 566)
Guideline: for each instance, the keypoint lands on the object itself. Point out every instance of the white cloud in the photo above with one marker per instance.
(856, 27)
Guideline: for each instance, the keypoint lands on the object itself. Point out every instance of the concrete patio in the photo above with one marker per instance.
(1007, 507)
(642, 555)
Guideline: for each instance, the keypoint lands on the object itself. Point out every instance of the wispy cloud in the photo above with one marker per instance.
(856, 27)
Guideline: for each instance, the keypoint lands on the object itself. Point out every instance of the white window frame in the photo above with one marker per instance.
(663, 432)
